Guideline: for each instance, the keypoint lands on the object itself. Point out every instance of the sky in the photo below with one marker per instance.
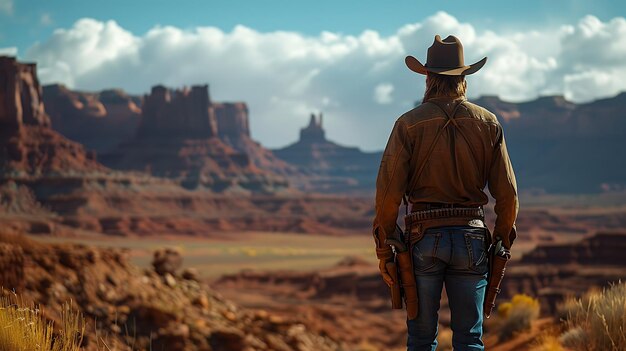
(289, 58)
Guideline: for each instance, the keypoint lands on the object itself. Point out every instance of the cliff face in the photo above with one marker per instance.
(233, 120)
(558, 146)
(100, 120)
(330, 167)
(104, 120)
(178, 138)
(28, 147)
(191, 108)
(233, 128)
(600, 249)
(20, 95)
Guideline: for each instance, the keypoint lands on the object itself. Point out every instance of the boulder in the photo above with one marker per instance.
(167, 261)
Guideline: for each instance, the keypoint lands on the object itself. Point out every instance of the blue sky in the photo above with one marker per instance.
(33, 20)
(286, 59)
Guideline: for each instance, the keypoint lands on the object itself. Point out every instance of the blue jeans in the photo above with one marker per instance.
(456, 256)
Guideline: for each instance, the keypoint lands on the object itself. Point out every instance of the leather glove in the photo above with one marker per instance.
(383, 270)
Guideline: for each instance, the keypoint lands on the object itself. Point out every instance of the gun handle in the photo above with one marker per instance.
(396, 294)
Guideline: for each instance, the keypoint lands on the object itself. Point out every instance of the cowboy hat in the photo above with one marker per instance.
(444, 57)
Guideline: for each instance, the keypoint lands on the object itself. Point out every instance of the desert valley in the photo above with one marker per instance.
(169, 227)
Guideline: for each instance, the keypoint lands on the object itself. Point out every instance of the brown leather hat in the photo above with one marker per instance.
(444, 57)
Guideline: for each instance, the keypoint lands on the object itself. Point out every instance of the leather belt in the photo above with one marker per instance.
(420, 206)
(419, 221)
(463, 212)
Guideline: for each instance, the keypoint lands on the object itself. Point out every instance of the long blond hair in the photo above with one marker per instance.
(439, 85)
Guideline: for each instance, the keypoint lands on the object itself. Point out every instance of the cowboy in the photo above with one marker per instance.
(440, 156)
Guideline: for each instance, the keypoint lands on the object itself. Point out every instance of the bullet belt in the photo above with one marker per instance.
(463, 212)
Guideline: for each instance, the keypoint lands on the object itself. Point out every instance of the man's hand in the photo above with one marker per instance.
(383, 271)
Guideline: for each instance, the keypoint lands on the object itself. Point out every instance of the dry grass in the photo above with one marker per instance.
(24, 329)
(597, 321)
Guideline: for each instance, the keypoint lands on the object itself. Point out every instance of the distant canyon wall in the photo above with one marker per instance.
(556, 146)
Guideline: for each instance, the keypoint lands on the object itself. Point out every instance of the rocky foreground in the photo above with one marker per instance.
(154, 309)
(353, 296)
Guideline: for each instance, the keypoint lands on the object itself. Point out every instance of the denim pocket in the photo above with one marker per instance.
(475, 240)
(425, 251)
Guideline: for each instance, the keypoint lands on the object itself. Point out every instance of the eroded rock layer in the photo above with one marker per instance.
(127, 308)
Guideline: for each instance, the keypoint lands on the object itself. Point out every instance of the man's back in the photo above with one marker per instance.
(469, 154)
(458, 169)
(439, 157)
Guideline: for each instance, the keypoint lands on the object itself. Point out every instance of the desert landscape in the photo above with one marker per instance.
(166, 226)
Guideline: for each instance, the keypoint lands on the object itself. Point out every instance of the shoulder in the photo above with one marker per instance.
(421, 113)
(481, 113)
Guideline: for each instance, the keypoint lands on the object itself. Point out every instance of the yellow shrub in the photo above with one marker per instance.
(548, 342)
(517, 315)
(504, 309)
(23, 329)
(522, 301)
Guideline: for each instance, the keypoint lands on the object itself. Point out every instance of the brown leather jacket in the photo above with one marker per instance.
(455, 172)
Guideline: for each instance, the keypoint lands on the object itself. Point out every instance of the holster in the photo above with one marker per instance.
(497, 267)
(407, 280)
(396, 292)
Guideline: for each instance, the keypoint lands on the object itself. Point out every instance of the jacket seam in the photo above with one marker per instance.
(457, 119)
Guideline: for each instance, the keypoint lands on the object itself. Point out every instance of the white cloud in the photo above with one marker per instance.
(6, 6)
(10, 51)
(286, 75)
(593, 58)
(382, 93)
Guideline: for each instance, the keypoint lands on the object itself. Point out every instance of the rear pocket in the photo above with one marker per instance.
(475, 240)
(425, 251)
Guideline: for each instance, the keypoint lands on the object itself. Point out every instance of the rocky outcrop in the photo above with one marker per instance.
(559, 146)
(124, 305)
(167, 261)
(232, 120)
(99, 120)
(183, 113)
(330, 167)
(178, 139)
(28, 147)
(103, 120)
(20, 95)
(234, 130)
(600, 249)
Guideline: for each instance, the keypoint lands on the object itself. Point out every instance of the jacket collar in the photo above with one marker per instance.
(447, 102)
(445, 99)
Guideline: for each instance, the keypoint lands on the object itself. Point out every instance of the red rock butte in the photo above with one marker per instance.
(185, 112)
(27, 143)
(182, 135)
(20, 95)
